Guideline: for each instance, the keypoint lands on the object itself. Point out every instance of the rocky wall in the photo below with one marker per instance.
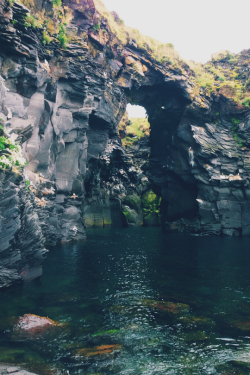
(22, 251)
(64, 106)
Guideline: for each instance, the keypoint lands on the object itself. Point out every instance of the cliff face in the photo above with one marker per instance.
(21, 239)
(65, 105)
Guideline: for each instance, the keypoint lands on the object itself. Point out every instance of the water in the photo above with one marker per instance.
(135, 301)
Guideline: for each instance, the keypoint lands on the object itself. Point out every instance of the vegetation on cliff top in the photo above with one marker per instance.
(213, 76)
(160, 51)
(223, 74)
(53, 24)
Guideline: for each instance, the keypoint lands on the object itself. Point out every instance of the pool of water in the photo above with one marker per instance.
(135, 301)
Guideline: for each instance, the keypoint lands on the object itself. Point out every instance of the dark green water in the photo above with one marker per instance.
(122, 281)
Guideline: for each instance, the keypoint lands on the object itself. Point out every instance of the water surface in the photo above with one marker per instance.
(135, 301)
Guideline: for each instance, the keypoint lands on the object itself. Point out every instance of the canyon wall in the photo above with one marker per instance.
(64, 105)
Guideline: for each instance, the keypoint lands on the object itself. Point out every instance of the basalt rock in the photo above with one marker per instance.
(64, 106)
(22, 249)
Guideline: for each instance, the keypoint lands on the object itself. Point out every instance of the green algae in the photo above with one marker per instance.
(17, 355)
(190, 321)
(132, 217)
(109, 332)
(195, 336)
(133, 201)
(167, 307)
(151, 208)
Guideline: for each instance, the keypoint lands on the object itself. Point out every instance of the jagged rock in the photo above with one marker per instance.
(30, 322)
(22, 249)
(65, 105)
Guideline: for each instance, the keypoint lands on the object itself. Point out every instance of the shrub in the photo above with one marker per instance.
(221, 55)
(62, 37)
(204, 79)
(31, 21)
(46, 38)
(246, 101)
(28, 3)
(235, 121)
(15, 158)
(57, 3)
(2, 143)
(96, 27)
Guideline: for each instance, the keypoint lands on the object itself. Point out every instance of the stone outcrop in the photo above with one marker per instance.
(22, 249)
(64, 106)
(6, 370)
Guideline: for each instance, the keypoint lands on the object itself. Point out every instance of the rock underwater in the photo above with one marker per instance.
(64, 88)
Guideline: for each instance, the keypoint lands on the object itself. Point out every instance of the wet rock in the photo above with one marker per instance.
(30, 321)
(241, 325)
(233, 368)
(195, 336)
(168, 307)
(5, 369)
(194, 321)
(131, 216)
(22, 249)
(101, 350)
(32, 326)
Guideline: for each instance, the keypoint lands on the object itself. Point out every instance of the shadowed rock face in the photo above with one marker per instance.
(64, 107)
(22, 249)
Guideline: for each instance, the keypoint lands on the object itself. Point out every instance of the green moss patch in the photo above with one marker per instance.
(133, 201)
(109, 332)
(151, 208)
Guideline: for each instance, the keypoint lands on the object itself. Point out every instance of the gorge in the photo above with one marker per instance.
(64, 106)
(68, 70)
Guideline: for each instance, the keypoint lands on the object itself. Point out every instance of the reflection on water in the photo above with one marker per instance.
(135, 301)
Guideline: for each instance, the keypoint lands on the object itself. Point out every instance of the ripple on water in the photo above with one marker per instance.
(135, 301)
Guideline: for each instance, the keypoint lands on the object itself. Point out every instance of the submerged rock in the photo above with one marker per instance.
(233, 368)
(195, 336)
(98, 350)
(168, 307)
(240, 325)
(33, 326)
(5, 370)
(194, 321)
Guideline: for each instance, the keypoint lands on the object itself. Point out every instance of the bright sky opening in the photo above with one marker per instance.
(136, 111)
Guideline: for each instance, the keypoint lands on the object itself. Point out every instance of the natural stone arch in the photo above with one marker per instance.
(169, 167)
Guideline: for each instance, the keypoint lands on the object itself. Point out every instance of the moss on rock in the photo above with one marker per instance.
(151, 208)
(133, 201)
(131, 216)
